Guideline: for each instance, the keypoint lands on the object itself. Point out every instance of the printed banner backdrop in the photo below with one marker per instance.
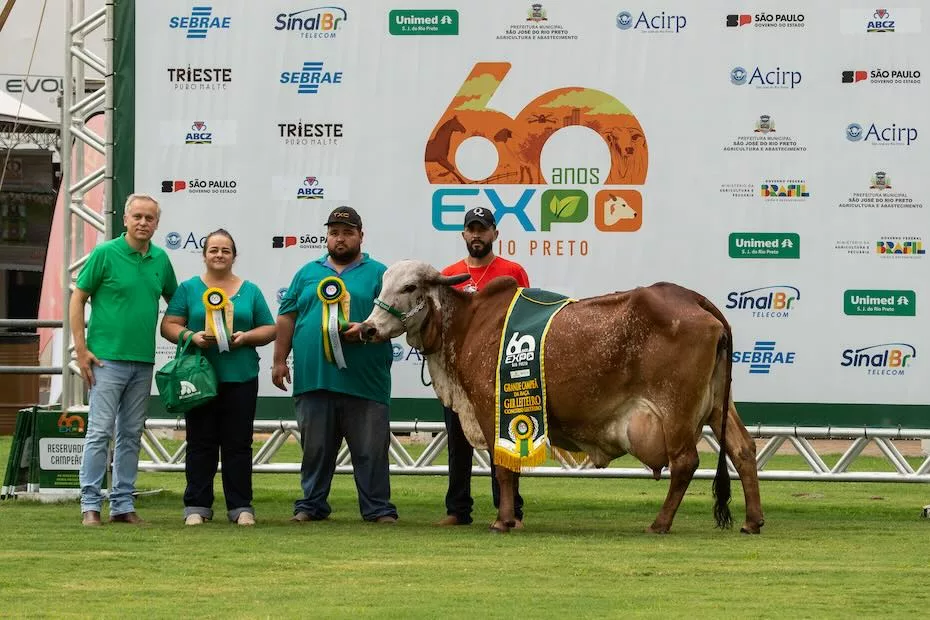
(773, 158)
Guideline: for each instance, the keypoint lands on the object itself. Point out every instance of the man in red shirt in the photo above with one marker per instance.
(483, 266)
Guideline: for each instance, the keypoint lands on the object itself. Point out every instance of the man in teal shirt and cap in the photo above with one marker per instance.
(342, 385)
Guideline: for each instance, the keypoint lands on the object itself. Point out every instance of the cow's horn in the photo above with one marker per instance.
(452, 280)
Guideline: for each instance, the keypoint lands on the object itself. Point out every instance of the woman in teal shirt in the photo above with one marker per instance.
(223, 424)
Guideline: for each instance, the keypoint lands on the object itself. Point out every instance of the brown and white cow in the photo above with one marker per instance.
(636, 372)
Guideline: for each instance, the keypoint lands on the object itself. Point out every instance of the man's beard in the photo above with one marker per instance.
(479, 252)
(346, 256)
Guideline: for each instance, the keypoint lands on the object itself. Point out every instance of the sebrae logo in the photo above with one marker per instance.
(322, 22)
(311, 77)
(518, 141)
(891, 358)
(767, 302)
(200, 22)
(763, 356)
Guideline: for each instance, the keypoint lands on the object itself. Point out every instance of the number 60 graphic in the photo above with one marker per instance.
(519, 140)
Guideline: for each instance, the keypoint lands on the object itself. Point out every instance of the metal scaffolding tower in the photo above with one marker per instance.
(77, 105)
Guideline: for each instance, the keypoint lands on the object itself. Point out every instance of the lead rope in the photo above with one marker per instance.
(423, 374)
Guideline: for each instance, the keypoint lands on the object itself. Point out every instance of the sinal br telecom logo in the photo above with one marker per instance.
(879, 302)
(765, 245)
(423, 22)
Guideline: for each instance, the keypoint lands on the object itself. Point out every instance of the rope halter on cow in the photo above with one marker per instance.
(403, 316)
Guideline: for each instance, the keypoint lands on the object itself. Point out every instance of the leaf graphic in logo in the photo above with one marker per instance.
(567, 206)
(554, 206)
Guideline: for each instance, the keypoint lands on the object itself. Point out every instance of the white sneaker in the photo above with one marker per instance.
(245, 518)
(193, 519)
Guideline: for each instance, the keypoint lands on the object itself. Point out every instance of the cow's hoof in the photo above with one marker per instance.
(752, 528)
(746, 530)
(499, 527)
(925, 513)
(655, 529)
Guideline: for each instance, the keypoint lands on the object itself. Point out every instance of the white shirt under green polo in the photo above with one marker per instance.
(124, 286)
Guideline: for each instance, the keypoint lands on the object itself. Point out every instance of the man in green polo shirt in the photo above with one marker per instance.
(342, 385)
(123, 278)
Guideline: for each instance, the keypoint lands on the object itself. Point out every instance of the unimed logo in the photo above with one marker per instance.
(763, 356)
(765, 245)
(423, 22)
(870, 302)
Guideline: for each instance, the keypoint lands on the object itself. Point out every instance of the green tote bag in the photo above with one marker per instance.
(186, 381)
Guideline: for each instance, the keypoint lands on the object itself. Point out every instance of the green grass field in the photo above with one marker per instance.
(827, 550)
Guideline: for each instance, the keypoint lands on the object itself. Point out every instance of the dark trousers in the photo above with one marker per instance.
(223, 425)
(458, 498)
(324, 419)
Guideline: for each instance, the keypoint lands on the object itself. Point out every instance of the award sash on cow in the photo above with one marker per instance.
(335, 296)
(219, 311)
(520, 391)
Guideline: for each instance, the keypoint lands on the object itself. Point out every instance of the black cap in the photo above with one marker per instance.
(481, 215)
(345, 215)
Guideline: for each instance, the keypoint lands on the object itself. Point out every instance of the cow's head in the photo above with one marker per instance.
(408, 302)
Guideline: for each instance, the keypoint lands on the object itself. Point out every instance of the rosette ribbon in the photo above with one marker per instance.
(215, 302)
(332, 292)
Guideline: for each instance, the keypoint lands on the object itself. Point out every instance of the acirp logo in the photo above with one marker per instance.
(185, 241)
(881, 135)
(767, 302)
(200, 22)
(762, 78)
(891, 358)
(652, 23)
(763, 356)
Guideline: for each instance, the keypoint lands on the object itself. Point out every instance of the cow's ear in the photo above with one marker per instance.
(431, 329)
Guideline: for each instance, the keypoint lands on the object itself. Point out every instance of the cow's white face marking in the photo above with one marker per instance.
(404, 287)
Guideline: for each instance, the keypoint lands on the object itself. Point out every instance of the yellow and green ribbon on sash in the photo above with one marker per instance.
(216, 304)
(335, 296)
(520, 409)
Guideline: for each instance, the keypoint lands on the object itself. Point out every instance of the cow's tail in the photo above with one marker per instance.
(721, 485)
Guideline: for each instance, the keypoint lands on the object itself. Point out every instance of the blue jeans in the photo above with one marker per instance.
(117, 401)
(324, 418)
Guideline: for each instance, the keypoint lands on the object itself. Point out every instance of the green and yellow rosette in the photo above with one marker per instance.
(335, 297)
(522, 431)
(216, 302)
